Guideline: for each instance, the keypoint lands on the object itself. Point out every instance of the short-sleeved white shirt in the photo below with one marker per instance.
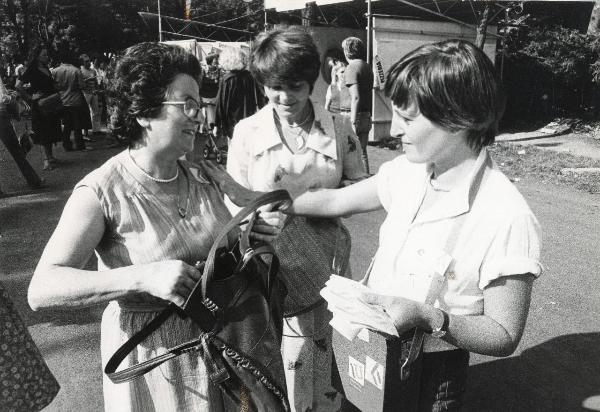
(500, 235)
(258, 159)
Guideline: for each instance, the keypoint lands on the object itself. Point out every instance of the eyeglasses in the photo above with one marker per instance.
(191, 107)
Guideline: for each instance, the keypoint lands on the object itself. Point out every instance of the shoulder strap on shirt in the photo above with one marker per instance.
(459, 221)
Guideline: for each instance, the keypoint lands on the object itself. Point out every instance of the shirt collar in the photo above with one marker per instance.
(460, 198)
(317, 139)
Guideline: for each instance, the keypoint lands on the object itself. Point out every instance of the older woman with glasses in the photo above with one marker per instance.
(148, 216)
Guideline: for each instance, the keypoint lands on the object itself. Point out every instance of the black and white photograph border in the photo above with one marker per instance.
(548, 145)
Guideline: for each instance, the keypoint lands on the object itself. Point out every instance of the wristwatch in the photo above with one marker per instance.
(440, 332)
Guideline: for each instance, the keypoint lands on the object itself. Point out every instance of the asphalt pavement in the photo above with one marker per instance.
(555, 367)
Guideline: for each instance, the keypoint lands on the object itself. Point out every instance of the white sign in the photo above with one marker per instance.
(356, 370)
(379, 73)
(374, 373)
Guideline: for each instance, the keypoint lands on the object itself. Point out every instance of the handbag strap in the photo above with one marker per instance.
(451, 241)
(121, 353)
(140, 369)
(276, 196)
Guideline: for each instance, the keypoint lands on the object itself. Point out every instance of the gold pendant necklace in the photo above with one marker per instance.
(183, 185)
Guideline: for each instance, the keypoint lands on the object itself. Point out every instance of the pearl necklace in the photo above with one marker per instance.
(149, 176)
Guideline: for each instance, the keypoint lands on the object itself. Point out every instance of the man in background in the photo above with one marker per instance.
(359, 80)
(90, 92)
(69, 82)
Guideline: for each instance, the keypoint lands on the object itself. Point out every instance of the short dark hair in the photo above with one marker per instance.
(354, 48)
(454, 84)
(140, 83)
(283, 56)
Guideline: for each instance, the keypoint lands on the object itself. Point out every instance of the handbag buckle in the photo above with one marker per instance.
(248, 254)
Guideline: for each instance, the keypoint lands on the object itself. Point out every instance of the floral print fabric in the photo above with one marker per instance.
(26, 383)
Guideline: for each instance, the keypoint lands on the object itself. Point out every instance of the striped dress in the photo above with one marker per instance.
(143, 226)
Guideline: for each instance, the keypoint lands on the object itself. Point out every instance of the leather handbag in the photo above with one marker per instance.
(50, 104)
(28, 384)
(238, 305)
(310, 250)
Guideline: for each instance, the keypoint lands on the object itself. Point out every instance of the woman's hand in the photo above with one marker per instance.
(171, 280)
(405, 313)
(268, 225)
(237, 193)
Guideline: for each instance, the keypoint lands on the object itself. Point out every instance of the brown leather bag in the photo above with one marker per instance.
(238, 304)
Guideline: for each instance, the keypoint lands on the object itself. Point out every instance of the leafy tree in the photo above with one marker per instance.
(103, 26)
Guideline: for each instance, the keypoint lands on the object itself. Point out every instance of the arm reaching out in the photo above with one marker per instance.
(357, 198)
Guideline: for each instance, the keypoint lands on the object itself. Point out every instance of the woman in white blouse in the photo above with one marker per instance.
(447, 202)
(283, 146)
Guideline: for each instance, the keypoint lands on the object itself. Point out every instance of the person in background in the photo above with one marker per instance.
(149, 217)
(100, 67)
(239, 96)
(445, 190)
(10, 141)
(210, 86)
(359, 80)
(90, 88)
(337, 100)
(46, 127)
(70, 84)
(283, 146)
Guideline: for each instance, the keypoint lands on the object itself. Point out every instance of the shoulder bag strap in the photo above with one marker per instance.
(121, 353)
(265, 199)
(436, 289)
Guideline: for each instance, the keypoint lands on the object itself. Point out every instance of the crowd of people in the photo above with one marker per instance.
(59, 97)
(149, 215)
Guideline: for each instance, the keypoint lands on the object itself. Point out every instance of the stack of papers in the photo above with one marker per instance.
(350, 313)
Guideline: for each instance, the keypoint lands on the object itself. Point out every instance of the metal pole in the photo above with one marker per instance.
(159, 23)
(369, 33)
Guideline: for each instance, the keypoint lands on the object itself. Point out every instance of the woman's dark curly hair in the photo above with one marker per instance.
(139, 83)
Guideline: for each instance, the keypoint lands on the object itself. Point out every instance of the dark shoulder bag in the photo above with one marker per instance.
(238, 305)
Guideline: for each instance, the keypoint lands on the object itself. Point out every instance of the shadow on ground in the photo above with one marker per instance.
(558, 375)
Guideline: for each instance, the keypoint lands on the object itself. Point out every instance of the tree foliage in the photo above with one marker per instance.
(551, 70)
(104, 26)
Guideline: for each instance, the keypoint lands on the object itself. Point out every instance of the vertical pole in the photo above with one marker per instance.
(369, 34)
(159, 23)
(503, 45)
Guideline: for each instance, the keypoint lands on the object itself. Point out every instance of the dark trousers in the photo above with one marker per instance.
(443, 380)
(72, 122)
(437, 384)
(9, 138)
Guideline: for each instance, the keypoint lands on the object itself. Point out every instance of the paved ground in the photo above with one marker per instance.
(573, 143)
(554, 368)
